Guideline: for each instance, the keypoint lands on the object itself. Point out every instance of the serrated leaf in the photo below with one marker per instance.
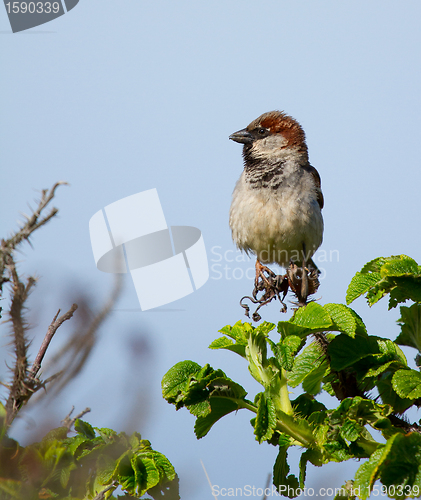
(226, 388)
(65, 474)
(305, 405)
(285, 328)
(403, 465)
(84, 428)
(399, 265)
(238, 332)
(108, 435)
(105, 469)
(219, 407)
(177, 378)
(224, 343)
(389, 395)
(305, 363)
(350, 430)
(407, 384)
(312, 316)
(286, 349)
(398, 275)
(312, 383)
(146, 473)
(287, 485)
(367, 473)
(361, 284)
(345, 351)
(374, 265)
(410, 323)
(404, 288)
(346, 320)
(265, 421)
(377, 370)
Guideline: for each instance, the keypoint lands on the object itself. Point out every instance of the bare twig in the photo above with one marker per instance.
(73, 355)
(69, 422)
(56, 323)
(101, 495)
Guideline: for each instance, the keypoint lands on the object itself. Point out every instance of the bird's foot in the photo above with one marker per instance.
(270, 286)
(260, 274)
(302, 282)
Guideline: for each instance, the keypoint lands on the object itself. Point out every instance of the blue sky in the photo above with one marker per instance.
(120, 97)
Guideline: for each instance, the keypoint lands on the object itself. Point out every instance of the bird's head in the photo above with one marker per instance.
(273, 136)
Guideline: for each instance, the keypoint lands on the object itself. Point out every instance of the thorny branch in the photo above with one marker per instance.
(33, 222)
(23, 383)
(25, 380)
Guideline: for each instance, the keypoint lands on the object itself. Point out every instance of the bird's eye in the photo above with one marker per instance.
(262, 131)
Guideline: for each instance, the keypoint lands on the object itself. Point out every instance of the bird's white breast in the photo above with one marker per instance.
(274, 223)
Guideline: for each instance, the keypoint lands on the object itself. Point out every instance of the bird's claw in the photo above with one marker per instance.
(273, 285)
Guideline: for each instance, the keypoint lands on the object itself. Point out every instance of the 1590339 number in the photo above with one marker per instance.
(33, 7)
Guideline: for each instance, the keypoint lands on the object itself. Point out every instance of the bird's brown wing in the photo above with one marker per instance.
(316, 177)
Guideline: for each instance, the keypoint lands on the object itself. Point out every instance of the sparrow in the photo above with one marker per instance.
(276, 204)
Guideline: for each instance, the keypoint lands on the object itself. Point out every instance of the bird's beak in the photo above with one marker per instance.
(242, 136)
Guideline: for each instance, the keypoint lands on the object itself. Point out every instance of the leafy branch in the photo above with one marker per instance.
(324, 348)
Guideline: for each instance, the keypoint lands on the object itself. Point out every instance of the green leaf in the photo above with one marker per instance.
(305, 405)
(236, 332)
(146, 473)
(285, 328)
(345, 351)
(223, 387)
(312, 383)
(84, 428)
(305, 363)
(399, 265)
(176, 380)
(108, 435)
(11, 487)
(407, 384)
(219, 407)
(224, 343)
(187, 384)
(346, 320)
(374, 265)
(105, 468)
(403, 465)
(265, 421)
(313, 316)
(389, 395)
(286, 349)
(410, 323)
(367, 473)
(360, 284)
(287, 485)
(398, 275)
(404, 288)
(397, 464)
